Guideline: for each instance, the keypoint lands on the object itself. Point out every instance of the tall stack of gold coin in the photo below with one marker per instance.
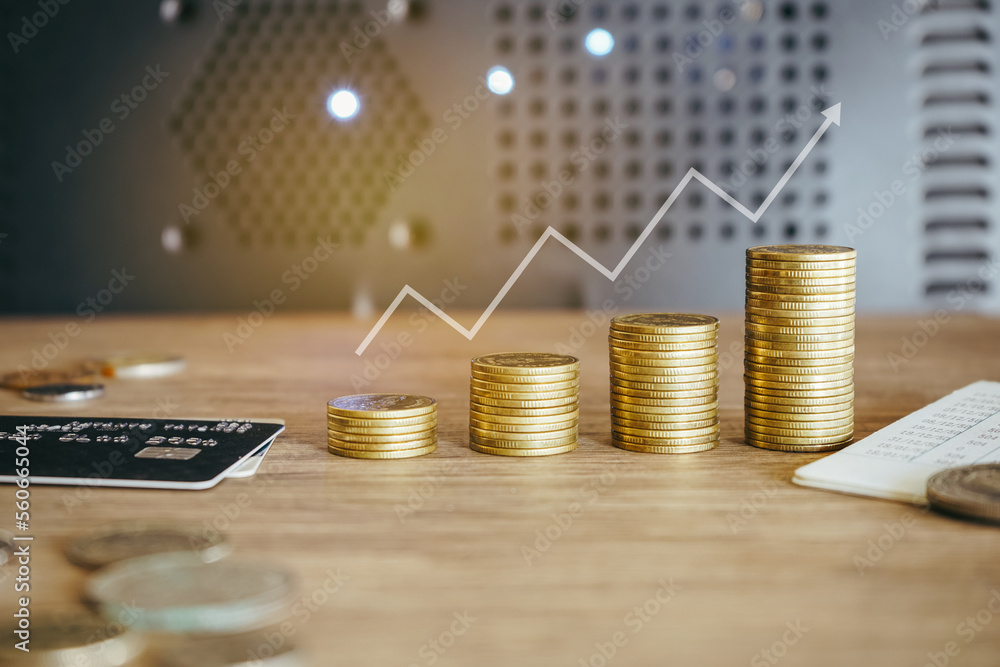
(799, 363)
(664, 382)
(524, 404)
(381, 426)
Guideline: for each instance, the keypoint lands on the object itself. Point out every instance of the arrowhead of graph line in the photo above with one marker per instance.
(833, 113)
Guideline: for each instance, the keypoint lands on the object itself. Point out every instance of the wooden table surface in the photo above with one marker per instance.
(712, 558)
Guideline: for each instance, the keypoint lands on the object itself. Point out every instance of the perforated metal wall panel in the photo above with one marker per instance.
(441, 184)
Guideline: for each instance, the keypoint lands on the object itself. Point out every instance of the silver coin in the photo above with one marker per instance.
(142, 365)
(72, 637)
(6, 546)
(248, 649)
(62, 393)
(182, 593)
(123, 541)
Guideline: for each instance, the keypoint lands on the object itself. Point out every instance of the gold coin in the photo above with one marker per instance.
(670, 385)
(802, 253)
(802, 449)
(502, 442)
(844, 291)
(656, 430)
(543, 420)
(812, 322)
(367, 406)
(801, 266)
(678, 434)
(797, 381)
(680, 373)
(570, 401)
(818, 403)
(625, 346)
(521, 436)
(700, 353)
(532, 380)
(798, 426)
(800, 389)
(655, 413)
(678, 449)
(801, 338)
(780, 305)
(772, 297)
(521, 428)
(678, 405)
(28, 378)
(756, 272)
(663, 338)
(837, 432)
(503, 451)
(526, 363)
(700, 362)
(754, 329)
(383, 422)
(663, 442)
(798, 373)
(526, 395)
(781, 363)
(339, 443)
(820, 411)
(795, 346)
(382, 430)
(502, 387)
(381, 439)
(793, 444)
(395, 454)
(502, 411)
(666, 422)
(664, 323)
(759, 281)
(798, 313)
(667, 395)
(771, 353)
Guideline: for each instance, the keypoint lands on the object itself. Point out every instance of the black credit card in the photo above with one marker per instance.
(139, 453)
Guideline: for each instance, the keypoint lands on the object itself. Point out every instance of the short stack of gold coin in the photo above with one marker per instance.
(381, 426)
(799, 353)
(664, 382)
(524, 404)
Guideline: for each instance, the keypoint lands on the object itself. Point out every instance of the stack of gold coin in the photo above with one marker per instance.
(799, 363)
(381, 426)
(524, 404)
(664, 382)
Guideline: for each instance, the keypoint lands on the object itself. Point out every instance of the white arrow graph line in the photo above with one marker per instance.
(832, 115)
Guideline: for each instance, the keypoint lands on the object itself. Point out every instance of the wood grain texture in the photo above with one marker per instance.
(747, 551)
